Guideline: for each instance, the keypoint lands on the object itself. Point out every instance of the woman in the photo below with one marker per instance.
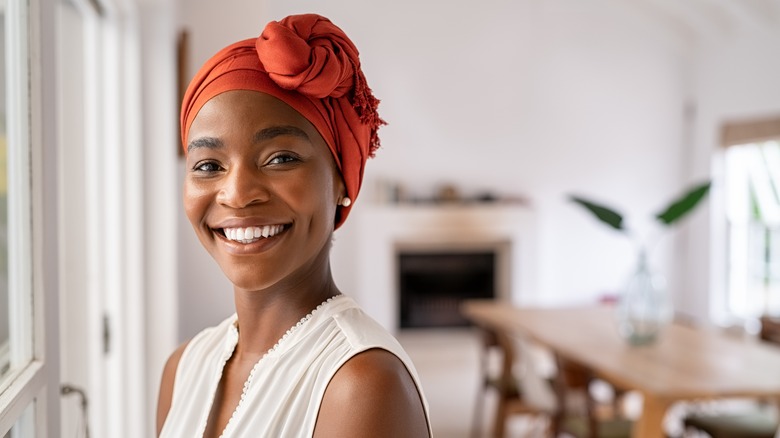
(277, 131)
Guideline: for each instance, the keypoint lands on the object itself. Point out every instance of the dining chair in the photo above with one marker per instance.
(502, 382)
(760, 422)
(587, 421)
(756, 423)
(770, 330)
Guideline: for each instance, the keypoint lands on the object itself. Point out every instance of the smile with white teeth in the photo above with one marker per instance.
(252, 234)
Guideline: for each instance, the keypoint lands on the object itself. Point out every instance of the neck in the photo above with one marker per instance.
(265, 315)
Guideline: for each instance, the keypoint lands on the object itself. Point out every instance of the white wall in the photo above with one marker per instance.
(528, 98)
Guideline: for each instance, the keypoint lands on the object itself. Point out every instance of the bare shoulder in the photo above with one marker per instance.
(372, 394)
(166, 385)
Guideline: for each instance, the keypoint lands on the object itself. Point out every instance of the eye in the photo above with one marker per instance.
(207, 167)
(283, 158)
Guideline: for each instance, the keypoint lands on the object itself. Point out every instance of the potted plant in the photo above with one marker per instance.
(643, 308)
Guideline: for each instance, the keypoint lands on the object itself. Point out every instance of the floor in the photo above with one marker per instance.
(447, 363)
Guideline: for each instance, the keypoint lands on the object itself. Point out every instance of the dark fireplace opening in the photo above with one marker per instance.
(434, 284)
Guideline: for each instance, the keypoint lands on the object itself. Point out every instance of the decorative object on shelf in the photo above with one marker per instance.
(644, 308)
(447, 194)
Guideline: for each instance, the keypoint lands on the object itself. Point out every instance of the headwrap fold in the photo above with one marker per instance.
(310, 64)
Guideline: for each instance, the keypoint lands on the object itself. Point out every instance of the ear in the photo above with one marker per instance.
(339, 187)
(340, 193)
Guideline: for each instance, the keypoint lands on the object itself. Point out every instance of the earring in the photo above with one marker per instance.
(346, 202)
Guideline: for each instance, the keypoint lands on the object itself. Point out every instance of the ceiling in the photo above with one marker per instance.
(713, 18)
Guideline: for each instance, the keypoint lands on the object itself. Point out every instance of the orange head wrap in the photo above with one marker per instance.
(310, 64)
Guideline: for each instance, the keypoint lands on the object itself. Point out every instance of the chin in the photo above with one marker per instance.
(249, 281)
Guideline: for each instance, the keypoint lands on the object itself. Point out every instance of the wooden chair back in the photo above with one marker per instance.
(770, 329)
(503, 381)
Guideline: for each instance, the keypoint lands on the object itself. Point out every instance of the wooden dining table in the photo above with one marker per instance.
(685, 363)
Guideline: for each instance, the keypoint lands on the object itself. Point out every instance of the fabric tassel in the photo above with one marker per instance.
(366, 106)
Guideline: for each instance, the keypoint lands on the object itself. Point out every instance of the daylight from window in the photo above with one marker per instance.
(753, 215)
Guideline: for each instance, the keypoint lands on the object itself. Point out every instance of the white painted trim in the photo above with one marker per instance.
(111, 219)
(119, 214)
(133, 298)
(5, 356)
(93, 181)
(77, 327)
(27, 403)
(23, 389)
(113, 212)
(130, 199)
(86, 200)
(43, 123)
(26, 424)
(19, 190)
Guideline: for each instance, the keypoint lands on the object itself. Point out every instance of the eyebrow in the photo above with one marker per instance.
(205, 142)
(260, 136)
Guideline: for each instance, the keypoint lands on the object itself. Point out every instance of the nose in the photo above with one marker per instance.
(243, 185)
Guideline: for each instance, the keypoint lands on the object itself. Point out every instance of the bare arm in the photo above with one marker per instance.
(372, 395)
(166, 386)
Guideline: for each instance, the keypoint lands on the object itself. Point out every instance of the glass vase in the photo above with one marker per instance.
(643, 309)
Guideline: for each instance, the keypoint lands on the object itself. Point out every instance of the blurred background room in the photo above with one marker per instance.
(498, 111)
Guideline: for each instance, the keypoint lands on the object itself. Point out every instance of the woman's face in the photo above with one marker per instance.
(261, 189)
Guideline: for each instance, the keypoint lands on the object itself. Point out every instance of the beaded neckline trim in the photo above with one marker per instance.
(248, 382)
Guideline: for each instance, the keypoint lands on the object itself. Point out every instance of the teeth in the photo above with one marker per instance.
(252, 234)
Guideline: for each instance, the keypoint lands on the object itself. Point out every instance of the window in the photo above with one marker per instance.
(15, 274)
(753, 224)
(23, 376)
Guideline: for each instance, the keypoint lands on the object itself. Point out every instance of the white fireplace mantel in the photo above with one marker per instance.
(381, 229)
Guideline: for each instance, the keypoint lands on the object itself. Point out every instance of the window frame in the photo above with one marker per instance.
(750, 183)
(24, 380)
(733, 133)
(29, 398)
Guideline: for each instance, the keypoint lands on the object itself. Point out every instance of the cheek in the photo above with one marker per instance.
(315, 193)
(308, 194)
(329, 188)
(194, 200)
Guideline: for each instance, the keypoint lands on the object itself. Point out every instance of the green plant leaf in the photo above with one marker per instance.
(605, 214)
(684, 204)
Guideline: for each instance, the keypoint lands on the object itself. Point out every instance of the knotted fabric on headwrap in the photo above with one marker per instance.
(310, 64)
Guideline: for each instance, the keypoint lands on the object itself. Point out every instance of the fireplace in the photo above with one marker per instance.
(436, 238)
(433, 284)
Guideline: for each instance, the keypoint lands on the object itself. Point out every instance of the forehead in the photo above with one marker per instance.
(246, 110)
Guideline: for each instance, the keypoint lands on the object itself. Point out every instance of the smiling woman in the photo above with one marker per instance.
(265, 167)
(277, 131)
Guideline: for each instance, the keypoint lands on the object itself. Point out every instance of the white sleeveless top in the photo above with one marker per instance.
(284, 391)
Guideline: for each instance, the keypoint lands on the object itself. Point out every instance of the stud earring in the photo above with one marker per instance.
(345, 202)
